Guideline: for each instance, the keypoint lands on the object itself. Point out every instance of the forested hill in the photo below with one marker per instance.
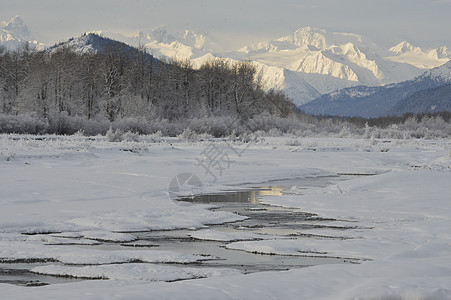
(95, 77)
(430, 100)
(94, 43)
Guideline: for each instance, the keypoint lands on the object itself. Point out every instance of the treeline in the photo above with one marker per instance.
(117, 84)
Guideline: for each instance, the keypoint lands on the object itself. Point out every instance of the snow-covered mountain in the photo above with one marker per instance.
(306, 63)
(405, 52)
(273, 77)
(14, 33)
(346, 59)
(365, 101)
(185, 45)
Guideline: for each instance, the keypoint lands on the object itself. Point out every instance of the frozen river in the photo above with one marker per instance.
(262, 221)
(77, 208)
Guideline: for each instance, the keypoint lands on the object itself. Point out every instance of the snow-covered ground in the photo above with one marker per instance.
(87, 190)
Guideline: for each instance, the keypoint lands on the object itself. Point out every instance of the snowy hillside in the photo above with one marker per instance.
(94, 43)
(294, 85)
(277, 78)
(14, 33)
(88, 43)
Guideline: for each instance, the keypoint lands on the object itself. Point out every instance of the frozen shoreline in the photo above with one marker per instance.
(94, 188)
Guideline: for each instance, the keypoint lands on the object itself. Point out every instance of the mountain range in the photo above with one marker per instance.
(425, 93)
(309, 64)
(305, 64)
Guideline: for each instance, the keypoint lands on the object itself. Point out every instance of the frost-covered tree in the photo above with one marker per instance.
(34, 96)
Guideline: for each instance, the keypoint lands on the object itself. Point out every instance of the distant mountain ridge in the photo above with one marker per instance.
(405, 52)
(160, 42)
(348, 59)
(392, 99)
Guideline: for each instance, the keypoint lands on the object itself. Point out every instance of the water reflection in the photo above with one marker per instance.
(252, 193)
(249, 196)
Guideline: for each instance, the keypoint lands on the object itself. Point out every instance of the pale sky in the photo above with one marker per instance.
(240, 22)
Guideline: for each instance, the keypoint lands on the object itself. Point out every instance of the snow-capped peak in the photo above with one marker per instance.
(16, 26)
(323, 39)
(194, 39)
(159, 35)
(405, 52)
(307, 36)
(405, 47)
(441, 53)
(188, 44)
